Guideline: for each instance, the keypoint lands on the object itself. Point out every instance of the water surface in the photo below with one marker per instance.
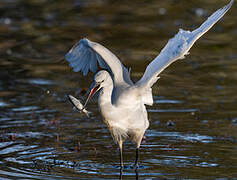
(193, 123)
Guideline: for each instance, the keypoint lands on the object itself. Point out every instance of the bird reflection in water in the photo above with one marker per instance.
(121, 173)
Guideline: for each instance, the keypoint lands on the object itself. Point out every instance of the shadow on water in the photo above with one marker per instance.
(193, 122)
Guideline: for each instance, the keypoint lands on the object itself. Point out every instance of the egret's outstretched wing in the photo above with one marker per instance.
(86, 55)
(178, 47)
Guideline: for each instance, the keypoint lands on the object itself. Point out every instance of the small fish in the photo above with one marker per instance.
(77, 103)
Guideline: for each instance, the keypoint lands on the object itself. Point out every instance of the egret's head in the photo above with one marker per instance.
(101, 79)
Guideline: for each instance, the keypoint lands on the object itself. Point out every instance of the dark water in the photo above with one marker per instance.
(42, 137)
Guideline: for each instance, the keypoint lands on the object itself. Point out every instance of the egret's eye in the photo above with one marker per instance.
(99, 82)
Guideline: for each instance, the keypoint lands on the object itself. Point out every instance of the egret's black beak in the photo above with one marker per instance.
(94, 89)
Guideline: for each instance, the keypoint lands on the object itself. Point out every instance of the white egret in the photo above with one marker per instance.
(122, 102)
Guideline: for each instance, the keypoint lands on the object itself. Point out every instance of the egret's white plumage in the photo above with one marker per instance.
(122, 102)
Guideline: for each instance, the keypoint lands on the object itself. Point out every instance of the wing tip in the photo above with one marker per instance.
(231, 2)
(228, 6)
(68, 57)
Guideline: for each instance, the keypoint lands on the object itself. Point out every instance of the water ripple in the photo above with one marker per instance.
(3, 104)
(173, 110)
(179, 136)
(167, 101)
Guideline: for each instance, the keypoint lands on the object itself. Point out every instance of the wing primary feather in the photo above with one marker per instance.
(85, 54)
(71, 57)
(87, 64)
(84, 61)
(93, 63)
(178, 47)
(77, 63)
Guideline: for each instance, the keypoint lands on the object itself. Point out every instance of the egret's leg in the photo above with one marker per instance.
(121, 154)
(137, 150)
(136, 160)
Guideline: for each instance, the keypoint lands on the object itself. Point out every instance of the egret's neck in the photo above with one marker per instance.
(106, 94)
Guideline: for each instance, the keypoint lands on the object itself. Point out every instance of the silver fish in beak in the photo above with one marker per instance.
(77, 103)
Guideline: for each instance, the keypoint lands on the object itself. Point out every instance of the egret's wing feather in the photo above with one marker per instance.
(93, 64)
(102, 62)
(86, 55)
(178, 47)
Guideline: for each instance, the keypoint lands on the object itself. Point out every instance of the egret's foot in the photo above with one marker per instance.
(120, 167)
(125, 167)
(135, 166)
